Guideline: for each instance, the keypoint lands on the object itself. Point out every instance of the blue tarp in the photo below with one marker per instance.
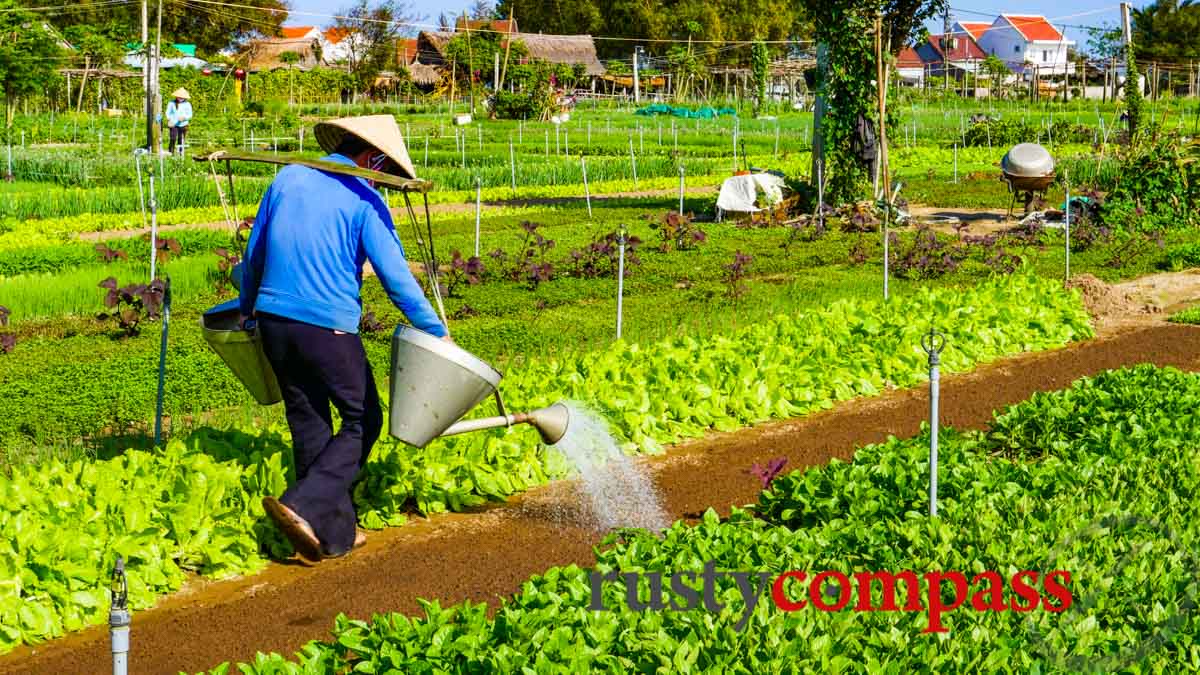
(703, 112)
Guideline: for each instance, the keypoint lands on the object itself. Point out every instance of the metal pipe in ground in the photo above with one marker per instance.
(681, 188)
(162, 362)
(1067, 237)
(587, 192)
(933, 343)
(620, 276)
(478, 193)
(119, 620)
(153, 227)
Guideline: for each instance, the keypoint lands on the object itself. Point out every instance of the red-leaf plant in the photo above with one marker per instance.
(129, 305)
(7, 340)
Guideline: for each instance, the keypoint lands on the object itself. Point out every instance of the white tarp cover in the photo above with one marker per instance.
(740, 194)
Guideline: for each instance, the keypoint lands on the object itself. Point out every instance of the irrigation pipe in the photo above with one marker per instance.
(620, 276)
(153, 229)
(162, 362)
(119, 619)
(933, 343)
(681, 189)
(587, 193)
(1067, 232)
(512, 164)
(478, 192)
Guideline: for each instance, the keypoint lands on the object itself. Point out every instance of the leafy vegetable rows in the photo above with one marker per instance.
(193, 506)
(1107, 501)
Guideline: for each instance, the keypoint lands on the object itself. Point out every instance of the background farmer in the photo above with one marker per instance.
(179, 114)
(302, 279)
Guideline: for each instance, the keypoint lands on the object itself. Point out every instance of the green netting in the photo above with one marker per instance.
(703, 112)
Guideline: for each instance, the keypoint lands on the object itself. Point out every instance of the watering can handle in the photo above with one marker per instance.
(500, 403)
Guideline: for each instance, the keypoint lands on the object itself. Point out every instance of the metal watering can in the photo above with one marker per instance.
(433, 383)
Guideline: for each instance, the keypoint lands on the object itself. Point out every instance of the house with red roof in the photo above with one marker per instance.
(336, 44)
(406, 51)
(910, 67)
(952, 54)
(1026, 43)
(300, 32)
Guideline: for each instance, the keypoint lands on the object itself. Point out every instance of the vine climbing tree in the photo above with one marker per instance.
(845, 33)
(760, 62)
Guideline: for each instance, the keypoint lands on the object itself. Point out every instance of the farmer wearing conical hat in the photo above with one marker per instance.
(301, 281)
(179, 114)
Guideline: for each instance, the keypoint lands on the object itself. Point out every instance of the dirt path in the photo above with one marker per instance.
(979, 221)
(433, 209)
(487, 555)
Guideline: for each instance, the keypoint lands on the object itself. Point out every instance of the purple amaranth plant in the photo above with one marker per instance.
(600, 258)
(677, 231)
(735, 275)
(226, 262)
(767, 473)
(7, 340)
(463, 271)
(109, 254)
(130, 305)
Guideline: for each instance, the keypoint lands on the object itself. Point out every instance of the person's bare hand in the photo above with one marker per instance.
(447, 338)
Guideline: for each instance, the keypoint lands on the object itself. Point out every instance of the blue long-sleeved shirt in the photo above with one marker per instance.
(313, 232)
(179, 114)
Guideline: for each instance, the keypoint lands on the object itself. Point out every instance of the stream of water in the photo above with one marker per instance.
(619, 492)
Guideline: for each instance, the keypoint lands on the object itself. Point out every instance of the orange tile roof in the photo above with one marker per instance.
(909, 58)
(406, 50)
(964, 49)
(335, 35)
(976, 29)
(296, 32)
(1033, 27)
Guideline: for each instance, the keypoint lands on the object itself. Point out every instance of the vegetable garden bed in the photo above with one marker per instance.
(493, 553)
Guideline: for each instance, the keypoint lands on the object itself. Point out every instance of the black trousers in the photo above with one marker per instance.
(177, 134)
(316, 367)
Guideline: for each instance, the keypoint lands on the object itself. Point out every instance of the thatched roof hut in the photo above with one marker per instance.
(568, 49)
(424, 75)
(264, 54)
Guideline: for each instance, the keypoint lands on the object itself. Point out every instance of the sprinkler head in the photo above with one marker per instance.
(551, 422)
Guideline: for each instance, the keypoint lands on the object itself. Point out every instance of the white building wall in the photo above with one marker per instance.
(1009, 45)
(1004, 42)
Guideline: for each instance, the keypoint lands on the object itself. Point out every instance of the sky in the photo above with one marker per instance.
(1073, 13)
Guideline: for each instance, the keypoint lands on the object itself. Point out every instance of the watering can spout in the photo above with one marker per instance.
(551, 423)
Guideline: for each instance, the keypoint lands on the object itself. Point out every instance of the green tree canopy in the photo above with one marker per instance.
(210, 27)
(847, 28)
(29, 53)
(474, 53)
(370, 33)
(1104, 41)
(1167, 31)
(716, 21)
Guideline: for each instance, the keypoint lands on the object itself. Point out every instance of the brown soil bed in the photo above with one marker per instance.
(487, 555)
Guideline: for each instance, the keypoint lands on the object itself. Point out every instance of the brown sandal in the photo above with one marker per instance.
(296, 529)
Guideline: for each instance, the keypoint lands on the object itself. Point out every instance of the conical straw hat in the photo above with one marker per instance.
(381, 131)
(181, 93)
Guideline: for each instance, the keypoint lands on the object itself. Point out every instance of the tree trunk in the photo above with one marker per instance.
(819, 112)
(87, 66)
